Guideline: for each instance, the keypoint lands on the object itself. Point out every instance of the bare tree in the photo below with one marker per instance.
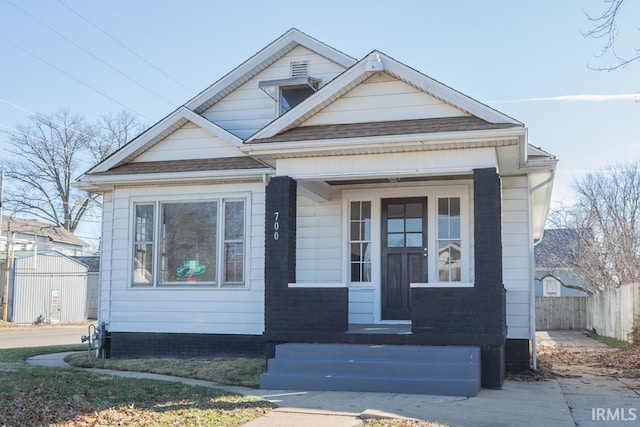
(47, 154)
(606, 222)
(114, 132)
(605, 27)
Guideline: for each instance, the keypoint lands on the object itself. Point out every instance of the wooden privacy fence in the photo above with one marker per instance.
(615, 313)
(561, 313)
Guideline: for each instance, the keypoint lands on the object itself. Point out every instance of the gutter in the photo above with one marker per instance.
(98, 182)
(423, 139)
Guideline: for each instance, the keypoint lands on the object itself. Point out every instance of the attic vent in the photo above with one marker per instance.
(300, 69)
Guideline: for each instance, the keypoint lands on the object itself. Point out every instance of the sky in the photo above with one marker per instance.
(526, 59)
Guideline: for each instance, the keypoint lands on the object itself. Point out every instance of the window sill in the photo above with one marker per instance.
(442, 285)
(190, 287)
(312, 285)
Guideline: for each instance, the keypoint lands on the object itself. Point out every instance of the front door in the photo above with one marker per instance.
(404, 253)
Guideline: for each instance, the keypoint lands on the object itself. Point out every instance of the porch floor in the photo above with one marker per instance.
(388, 329)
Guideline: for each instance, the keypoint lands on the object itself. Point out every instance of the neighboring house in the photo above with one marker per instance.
(93, 283)
(553, 260)
(309, 197)
(23, 235)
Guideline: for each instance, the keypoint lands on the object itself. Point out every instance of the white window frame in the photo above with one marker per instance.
(220, 199)
(432, 193)
(547, 284)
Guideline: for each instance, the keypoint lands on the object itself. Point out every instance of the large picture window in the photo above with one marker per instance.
(189, 243)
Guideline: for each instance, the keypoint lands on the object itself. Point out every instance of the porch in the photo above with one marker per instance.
(439, 319)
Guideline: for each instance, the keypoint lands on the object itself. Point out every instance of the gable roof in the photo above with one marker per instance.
(557, 249)
(261, 60)
(363, 69)
(157, 133)
(33, 227)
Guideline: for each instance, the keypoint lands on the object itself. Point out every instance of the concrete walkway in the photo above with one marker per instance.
(575, 398)
(594, 396)
(517, 404)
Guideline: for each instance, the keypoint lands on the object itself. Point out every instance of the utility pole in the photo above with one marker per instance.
(5, 279)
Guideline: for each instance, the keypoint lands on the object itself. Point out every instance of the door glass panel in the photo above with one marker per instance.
(395, 225)
(395, 211)
(395, 240)
(414, 210)
(414, 225)
(414, 240)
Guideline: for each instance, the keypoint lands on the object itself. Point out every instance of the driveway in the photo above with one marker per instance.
(42, 335)
(595, 396)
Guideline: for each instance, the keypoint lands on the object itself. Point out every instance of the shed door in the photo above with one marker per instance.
(404, 253)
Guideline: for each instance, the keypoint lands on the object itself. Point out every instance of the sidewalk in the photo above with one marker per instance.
(516, 404)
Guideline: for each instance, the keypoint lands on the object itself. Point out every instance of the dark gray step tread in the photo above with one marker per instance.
(390, 377)
(385, 361)
(378, 352)
(385, 385)
(340, 365)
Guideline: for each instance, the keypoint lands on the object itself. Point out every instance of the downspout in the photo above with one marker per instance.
(534, 347)
(532, 302)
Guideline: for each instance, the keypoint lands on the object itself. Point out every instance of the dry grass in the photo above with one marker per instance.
(399, 423)
(232, 370)
(40, 396)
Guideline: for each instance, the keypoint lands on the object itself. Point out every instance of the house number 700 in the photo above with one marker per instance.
(276, 226)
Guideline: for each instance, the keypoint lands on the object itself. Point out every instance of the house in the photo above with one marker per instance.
(23, 235)
(326, 209)
(554, 265)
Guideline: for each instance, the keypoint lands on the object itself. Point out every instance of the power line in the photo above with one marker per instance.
(16, 132)
(191, 91)
(72, 77)
(97, 58)
(33, 113)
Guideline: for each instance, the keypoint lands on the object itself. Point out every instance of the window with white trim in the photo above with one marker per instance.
(449, 239)
(360, 241)
(550, 287)
(189, 243)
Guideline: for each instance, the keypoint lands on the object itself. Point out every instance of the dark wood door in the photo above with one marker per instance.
(404, 253)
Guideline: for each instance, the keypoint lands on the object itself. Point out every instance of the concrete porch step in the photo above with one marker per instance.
(446, 370)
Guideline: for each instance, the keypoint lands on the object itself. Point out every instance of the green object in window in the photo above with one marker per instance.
(191, 267)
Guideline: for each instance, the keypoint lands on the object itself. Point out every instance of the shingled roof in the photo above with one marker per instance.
(191, 165)
(37, 228)
(397, 127)
(557, 248)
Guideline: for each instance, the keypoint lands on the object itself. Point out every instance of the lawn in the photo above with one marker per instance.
(40, 396)
(242, 371)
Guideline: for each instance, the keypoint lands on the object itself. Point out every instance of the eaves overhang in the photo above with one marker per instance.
(385, 144)
(99, 183)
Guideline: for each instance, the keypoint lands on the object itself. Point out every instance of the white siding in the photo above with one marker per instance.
(187, 310)
(189, 142)
(248, 108)
(104, 288)
(516, 255)
(361, 302)
(380, 98)
(319, 241)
